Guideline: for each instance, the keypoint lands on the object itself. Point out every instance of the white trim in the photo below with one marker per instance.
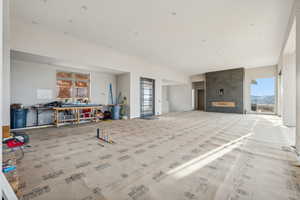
(6, 189)
(32, 127)
(261, 113)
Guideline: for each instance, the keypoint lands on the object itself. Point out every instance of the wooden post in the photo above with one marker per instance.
(78, 116)
(56, 118)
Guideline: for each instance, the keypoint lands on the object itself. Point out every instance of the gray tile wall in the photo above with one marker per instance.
(231, 81)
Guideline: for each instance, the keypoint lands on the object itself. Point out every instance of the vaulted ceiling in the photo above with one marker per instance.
(193, 36)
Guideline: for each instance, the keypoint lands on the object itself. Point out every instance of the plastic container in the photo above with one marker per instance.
(8, 169)
(116, 112)
(18, 118)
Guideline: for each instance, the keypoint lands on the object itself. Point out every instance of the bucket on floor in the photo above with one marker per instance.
(116, 112)
(18, 118)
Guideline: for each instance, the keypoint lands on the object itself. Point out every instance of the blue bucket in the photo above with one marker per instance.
(116, 112)
(18, 118)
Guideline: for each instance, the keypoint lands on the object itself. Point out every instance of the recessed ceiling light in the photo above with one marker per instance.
(34, 22)
(84, 8)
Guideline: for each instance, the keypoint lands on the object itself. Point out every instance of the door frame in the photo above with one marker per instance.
(142, 97)
(198, 85)
(197, 99)
(196, 90)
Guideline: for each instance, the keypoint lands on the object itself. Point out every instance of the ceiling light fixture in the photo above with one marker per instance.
(34, 22)
(84, 8)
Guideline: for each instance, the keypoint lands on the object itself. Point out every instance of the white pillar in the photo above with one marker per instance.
(289, 89)
(1, 69)
(6, 69)
(279, 95)
(5, 188)
(297, 15)
(158, 96)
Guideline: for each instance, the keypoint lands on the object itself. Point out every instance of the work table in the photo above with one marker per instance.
(77, 115)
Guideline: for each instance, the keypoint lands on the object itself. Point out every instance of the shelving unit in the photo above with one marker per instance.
(76, 113)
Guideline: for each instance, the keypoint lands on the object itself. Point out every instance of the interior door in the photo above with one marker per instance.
(147, 97)
(200, 100)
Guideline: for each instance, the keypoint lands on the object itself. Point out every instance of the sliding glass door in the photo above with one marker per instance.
(263, 95)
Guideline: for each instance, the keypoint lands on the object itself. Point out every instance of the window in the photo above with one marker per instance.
(72, 86)
(263, 95)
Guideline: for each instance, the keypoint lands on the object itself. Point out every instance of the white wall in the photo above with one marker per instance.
(297, 47)
(165, 99)
(123, 86)
(287, 84)
(158, 98)
(180, 98)
(256, 73)
(6, 66)
(287, 66)
(2, 177)
(28, 77)
(289, 89)
(5, 188)
(288, 63)
(134, 95)
(198, 78)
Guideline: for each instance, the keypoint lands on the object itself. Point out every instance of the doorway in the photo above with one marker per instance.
(263, 95)
(147, 97)
(200, 100)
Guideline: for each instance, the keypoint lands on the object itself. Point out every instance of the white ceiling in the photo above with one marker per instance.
(193, 36)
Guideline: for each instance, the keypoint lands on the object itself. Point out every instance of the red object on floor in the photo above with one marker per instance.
(14, 143)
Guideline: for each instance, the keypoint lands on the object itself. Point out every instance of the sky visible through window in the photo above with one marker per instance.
(264, 87)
